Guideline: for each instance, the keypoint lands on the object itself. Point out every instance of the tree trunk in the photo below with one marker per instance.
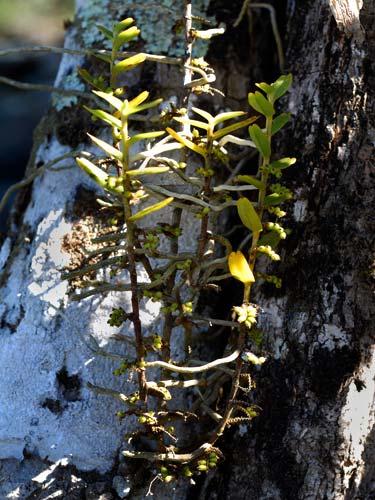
(313, 438)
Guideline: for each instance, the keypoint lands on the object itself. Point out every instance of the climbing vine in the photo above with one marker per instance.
(190, 145)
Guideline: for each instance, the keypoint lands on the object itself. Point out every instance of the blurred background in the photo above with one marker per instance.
(26, 23)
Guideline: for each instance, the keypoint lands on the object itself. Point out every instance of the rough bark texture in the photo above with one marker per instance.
(313, 439)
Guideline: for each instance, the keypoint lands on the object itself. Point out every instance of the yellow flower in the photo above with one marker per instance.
(239, 268)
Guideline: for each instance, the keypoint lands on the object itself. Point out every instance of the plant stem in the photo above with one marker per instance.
(131, 244)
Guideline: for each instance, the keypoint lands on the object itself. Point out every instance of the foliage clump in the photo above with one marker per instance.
(191, 145)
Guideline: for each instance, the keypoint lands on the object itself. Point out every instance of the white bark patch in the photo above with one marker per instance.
(332, 337)
(346, 14)
(357, 420)
(299, 210)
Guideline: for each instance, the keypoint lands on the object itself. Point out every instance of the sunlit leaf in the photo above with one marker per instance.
(111, 99)
(151, 209)
(276, 199)
(139, 99)
(97, 174)
(110, 150)
(203, 114)
(231, 128)
(148, 105)
(222, 117)
(249, 179)
(248, 215)
(283, 163)
(239, 267)
(260, 140)
(106, 117)
(145, 135)
(193, 123)
(147, 171)
(125, 37)
(265, 87)
(128, 64)
(261, 104)
(123, 25)
(281, 86)
(186, 142)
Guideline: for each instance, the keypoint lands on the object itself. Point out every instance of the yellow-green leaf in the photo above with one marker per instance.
(239, 268)
(248, 215)
(222, 117)
(106, 117)
(203, 114)
(249, 179)
(145, 135)
(123, 25)
(186, 142)
(281, 86)
(261, 104)
(125, 37)
(148, 105)
(231, 128)
(111, 99)
(151, 209)
(193, 123)
(283, 163)
(128, 64)
(96, 173)
(110, 150)
(147, 171)
(139, 99)
(265, 87)
(260, 140)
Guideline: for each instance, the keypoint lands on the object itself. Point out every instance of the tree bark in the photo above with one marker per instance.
(313, 438)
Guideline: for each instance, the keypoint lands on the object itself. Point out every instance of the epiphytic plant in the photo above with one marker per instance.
(194, 153)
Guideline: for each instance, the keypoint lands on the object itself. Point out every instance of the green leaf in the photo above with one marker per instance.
(222, 117)
(249, 179)
(260, 140)
(139, 99)
(231, 128)
(123, 25)
(147, 171)
(96, 173)
(279, 122)
(283, 163)
(272, 239)
(106, 117)
(145, 135)
(281, 86)
(102, 57)
(151, 209)
(125, 37)
(110, 150)
(193, 123)
(128, 64)
(105, 31)
(265, 87)
(148, 105)
(275, 199)
(111, 99)
(248, 215)
(203, 114)
(186, 142)
(261, 104)
(85, 75)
